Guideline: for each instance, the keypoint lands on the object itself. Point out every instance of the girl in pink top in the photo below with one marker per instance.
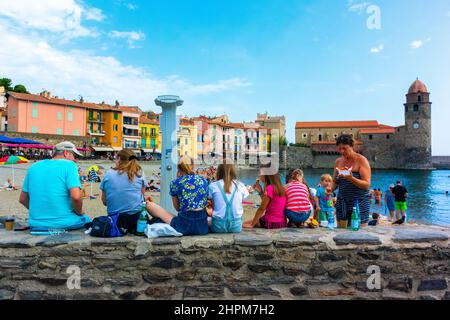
(270, 214)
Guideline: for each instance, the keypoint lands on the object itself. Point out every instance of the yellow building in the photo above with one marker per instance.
(150, 135)
(104, 126)
(187, 139)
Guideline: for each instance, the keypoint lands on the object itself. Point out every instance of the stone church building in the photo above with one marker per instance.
(404, 147)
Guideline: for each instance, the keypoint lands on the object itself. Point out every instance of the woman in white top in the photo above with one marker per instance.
(226, 196)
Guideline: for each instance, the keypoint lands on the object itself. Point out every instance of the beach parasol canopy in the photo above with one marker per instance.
(12, 160)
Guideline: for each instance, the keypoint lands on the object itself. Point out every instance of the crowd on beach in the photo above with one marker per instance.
(206, 200)
(29, 154)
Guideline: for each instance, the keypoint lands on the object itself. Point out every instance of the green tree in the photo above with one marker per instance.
(20, 88)
(283, 141)
(7, 83)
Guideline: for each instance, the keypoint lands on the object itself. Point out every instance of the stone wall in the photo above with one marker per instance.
(296, 157)
(47, 139)
(257, 264)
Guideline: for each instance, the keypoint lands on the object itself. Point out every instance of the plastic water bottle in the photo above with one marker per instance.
(323, 219)
(142, 221)
(330, 220)
(355, 220)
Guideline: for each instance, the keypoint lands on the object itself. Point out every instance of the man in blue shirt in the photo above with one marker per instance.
(52, 192)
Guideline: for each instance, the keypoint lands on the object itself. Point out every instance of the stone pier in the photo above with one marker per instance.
(414, 263)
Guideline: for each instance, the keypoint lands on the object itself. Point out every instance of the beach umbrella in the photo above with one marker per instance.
(12, 160)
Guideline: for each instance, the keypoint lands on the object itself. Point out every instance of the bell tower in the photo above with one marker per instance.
(418, 126)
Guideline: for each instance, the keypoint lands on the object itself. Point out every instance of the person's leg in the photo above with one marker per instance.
(159, 212)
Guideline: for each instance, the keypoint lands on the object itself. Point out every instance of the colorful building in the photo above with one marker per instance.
(45, 114)
(104, 126)
(150, 135)
(187, 138)
(130, 123)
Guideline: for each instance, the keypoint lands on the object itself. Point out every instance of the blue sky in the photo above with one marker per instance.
(309, 60)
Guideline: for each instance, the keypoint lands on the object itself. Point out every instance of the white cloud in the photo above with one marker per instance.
(358, 7)
(130, 36)
(131, 6)
(416, 44)
(62, 16)
(31, 60)
(377, 49)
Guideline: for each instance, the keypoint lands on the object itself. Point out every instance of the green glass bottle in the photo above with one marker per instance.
(355, 220)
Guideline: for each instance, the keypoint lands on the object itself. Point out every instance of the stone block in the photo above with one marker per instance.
(299, 291)
(241, 290)
(168, 263)
(252, 240)
(405, 235)
(161, 291)
(166, 241)
(209, 292)
(358, 238)
(403, 285)
(58, 240)
(186, 275)
(6, 294)
(206, 263)
(156, 277)
(432, 285)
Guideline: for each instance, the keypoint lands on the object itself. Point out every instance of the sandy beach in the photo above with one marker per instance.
(10, 206)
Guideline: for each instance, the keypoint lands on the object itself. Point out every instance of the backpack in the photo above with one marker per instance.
(105, 227)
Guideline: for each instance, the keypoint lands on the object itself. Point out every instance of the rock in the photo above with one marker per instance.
(252, 240)
(356, 238)
(279, 280)
(233, 264)
(299, 291)
(290, 271)
(369, 256)
(428, 298)
(433, 285)
(156, 277)
(6, 294)
(252, 291)
(215, 278)
(329, 256)
(93, 296)
(161, 291)
(446, 296)
(163, 253)
(168, 263)
(90, 282)
(123, 281)
(260, 268)
(20, 242)
(130, 295)
(203, 292)
(186, 276)
(166, 241)
(52, 280)
(263, 256)
(212, 243)
(337, 273)
(60, 239)
(404, 285)
(336, 292)
(289, 239)
(142, 248)
(16, 263)
(316, 269)
(206, 263)
(403, 235)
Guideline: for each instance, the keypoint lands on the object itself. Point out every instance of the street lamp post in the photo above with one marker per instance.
(169, 156)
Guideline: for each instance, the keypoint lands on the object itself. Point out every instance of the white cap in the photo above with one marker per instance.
(67, 146)
(392, 186)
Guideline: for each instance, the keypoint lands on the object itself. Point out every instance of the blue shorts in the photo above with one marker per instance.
(191, 223)
(225, 225)
(297, 217)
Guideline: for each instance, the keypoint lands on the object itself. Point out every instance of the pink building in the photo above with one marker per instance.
(30, 113)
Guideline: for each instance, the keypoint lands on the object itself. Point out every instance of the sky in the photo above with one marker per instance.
(310, 60)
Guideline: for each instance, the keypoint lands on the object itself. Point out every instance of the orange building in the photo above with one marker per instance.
(104, 125)
(31, 113)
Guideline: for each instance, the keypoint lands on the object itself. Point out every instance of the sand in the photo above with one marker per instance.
(10, 206)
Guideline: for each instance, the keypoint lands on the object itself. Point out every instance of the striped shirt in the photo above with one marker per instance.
(297, 197)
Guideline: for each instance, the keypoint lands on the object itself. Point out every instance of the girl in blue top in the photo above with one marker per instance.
(189, 196)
